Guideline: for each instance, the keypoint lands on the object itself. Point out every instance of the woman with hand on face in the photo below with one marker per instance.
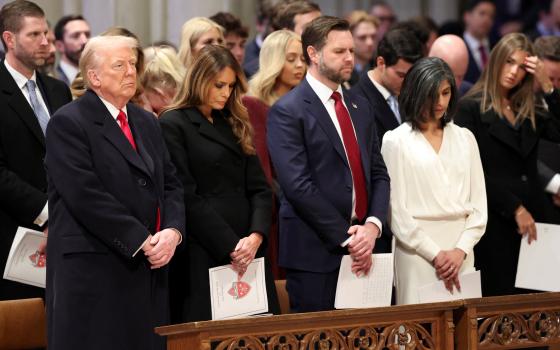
(502, 113)
(227, 197)
(438, 197)
(282, 67)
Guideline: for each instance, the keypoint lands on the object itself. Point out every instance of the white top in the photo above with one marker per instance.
(324, 93)
(426, 185)
(69, 70)
(474, 46)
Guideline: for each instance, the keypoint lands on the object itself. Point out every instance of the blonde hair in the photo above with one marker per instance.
(91, 58)
(487, 88)
(271, 62)
(191, 31)
(78, 86)
(358, 16)
(209, 62)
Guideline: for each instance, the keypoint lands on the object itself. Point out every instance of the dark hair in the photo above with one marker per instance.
(400, 44)
(471, 4)
(421, 32)
(284, 12)
(420, 91)
(231, 24)
(316, 32)
(548, 47)
(11, 16)
(59, 26)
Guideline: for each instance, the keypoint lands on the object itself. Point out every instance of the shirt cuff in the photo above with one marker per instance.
(377, 223)
(554, 184)
(140, 248)
(43, 216)
(179, 233)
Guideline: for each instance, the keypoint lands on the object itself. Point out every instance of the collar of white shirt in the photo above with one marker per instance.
(112, 109)
(20, 79)
(323, 91)
(382, 90)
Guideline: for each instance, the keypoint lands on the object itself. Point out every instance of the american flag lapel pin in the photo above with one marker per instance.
(354, 105)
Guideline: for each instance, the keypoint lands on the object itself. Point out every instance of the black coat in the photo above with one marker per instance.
(509, 159)
(23, 181)
(103, 202)
(226, 198)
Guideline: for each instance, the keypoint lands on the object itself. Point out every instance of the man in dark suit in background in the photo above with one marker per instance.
(479, 19)
(381, 86)
(71, 34)
(333, 181)
(116, 208)
(27, 99)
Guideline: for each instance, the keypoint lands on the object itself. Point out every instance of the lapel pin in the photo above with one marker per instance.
(354, 105)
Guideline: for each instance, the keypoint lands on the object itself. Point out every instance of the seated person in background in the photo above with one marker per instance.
(162, 77)
(439, 213)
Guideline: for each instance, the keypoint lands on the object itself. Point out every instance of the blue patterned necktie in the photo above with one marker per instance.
(394, 104)
(40, 113)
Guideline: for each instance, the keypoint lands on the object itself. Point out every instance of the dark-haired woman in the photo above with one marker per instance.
(504, 116)
(438, 197)
(227, 198)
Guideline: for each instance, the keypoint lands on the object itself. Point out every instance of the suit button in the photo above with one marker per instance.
(142, 182)
(524, 178)
(348, 188)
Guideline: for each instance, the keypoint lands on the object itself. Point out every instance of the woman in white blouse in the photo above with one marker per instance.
(438, 196)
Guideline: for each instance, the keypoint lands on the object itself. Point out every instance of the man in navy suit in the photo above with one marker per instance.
(381, 86)
(116, 207)
(479, 19)
(333, 181)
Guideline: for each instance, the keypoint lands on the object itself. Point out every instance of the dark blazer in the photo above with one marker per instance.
(473, 71)
(226, 198)
(315, 178)
(23, 181)
(509, 159)
(385, 119)
(103, 200)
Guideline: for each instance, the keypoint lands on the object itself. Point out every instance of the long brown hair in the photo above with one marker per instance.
(210, 61)
(487, 88)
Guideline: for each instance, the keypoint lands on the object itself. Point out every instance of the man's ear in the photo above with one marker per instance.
(59, 46)
(313, 54)
(93, 78)
(9, 39)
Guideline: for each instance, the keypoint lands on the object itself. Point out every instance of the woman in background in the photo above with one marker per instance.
(438, 198)
(501, 112)
(162, 77)
(282, 67)
(228, 201)
(196, 33)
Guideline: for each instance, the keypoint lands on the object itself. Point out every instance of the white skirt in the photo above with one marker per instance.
(413, 271)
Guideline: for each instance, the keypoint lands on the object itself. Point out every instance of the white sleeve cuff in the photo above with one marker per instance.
(376, 222)
(139, 249)
(43, 216)
(554, 185)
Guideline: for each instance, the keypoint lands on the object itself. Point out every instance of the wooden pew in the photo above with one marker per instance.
(407, 327)
(509, 322)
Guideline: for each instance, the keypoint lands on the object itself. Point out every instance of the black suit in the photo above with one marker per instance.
(23, 182)
(385, 119)
(227, 197)
(103, 200)
(509, 159)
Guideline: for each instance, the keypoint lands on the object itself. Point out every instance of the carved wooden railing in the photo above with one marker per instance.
(407, 327)
(509, 322)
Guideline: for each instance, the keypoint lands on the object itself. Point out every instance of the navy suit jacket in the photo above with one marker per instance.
(103, 199)
(385, 119)
(315, 178)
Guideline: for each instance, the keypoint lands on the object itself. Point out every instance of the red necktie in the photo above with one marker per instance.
(483, 55)
(126, 131)
(353, 153)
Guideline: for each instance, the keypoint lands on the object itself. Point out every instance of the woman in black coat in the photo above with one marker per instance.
(507, 122)
(227, 198)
